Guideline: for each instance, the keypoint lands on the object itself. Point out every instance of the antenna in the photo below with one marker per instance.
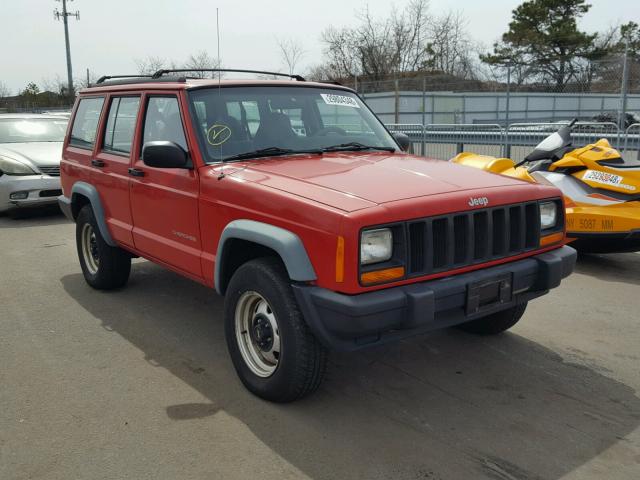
(65, 15)
(218, 35)
(221, 176)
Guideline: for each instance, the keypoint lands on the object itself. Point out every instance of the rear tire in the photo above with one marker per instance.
(273, 351)
(495, 323)
(104, 267)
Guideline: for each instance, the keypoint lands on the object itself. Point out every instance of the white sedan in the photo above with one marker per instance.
(30, 151)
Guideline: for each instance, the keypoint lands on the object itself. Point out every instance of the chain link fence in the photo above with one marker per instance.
(602, 91)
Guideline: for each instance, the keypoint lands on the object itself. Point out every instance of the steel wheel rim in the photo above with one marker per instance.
(257, 334)
(90, 249)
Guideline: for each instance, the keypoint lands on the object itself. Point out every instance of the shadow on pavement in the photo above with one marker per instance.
(443, 406)
(40, 217)
(614, 267)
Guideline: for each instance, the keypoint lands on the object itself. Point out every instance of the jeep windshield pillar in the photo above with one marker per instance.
(292, 200)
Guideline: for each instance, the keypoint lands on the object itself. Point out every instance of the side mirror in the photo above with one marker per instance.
(403, 140)
(164, 154)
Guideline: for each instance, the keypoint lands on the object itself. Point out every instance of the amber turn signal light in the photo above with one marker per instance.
(340, 260)
(551, 239)
(380, 276)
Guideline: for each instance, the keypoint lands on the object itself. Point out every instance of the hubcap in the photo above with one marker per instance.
(257, 334)
(90, 249)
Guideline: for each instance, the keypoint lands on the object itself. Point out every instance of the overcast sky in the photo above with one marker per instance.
(112, 34)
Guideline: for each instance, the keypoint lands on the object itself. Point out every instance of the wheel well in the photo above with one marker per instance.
(238, 252)
(77, 202)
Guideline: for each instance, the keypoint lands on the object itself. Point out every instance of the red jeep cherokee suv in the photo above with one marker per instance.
(293, 200)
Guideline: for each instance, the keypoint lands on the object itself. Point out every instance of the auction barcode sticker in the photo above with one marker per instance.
(343, 100)
(605, 178)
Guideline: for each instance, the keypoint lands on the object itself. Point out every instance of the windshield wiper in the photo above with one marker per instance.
(269, 152)
(355, 146)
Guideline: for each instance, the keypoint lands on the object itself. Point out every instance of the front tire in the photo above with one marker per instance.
(495, 323)
(272, 349)
(104, 267)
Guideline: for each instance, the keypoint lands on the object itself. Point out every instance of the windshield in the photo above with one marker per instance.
(233, 121)
(19, 130)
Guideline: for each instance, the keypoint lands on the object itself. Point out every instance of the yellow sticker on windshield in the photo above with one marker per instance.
(218, 134)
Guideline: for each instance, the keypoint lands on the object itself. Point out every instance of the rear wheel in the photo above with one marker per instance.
(495, 323)
(273, 351)
(104, 267)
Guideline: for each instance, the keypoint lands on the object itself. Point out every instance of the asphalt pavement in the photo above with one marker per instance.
(137, 384)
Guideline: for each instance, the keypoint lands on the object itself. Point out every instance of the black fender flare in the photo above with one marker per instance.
(91, 193)
(285, 243)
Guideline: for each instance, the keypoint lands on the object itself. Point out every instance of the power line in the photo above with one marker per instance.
(65, 15)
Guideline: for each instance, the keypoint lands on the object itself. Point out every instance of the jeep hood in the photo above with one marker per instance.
(352, 181)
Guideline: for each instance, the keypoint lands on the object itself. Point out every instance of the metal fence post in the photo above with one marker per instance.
(507, 106)
(397, 102)
(625, 84)
(507, 149)
(423, 146)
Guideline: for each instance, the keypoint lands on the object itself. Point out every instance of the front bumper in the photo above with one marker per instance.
(350, 322)
(40, 190)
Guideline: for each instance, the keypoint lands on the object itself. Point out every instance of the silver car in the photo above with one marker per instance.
(30, 151)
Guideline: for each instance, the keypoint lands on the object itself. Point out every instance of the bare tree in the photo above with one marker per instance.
(149, 64)
(341, 56)
(4, 90)
(84, 82)
(201, 60)
(407, 40)
(450, 46)
(291, 52)
(55, 84)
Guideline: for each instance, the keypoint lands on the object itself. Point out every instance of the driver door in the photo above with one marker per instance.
(164, 201)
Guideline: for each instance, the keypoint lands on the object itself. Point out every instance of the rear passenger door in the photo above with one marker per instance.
(112, 162)
(79, 151)
(164, 201)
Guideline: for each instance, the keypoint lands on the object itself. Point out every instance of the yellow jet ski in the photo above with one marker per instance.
(601, 189)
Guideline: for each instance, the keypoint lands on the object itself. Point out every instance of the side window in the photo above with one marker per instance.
(121, 124)
(85, 123)
(162, 121)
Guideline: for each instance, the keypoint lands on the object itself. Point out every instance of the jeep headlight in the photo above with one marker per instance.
(14, 167)
(548, 215)
(376, 246)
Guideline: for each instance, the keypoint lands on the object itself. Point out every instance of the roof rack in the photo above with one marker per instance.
(162, 72)
(109, 77)
(109, 80)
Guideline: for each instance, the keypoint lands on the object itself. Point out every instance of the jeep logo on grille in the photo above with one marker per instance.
(478, 201)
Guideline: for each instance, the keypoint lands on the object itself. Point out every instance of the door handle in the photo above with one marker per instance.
(97, 163)
(134, 172)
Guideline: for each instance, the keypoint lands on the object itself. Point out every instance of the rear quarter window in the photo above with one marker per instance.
(85, 122)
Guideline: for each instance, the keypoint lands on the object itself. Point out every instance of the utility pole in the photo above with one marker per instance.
(65, 15)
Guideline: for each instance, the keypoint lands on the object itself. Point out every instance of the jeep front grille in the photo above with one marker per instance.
(460, 239)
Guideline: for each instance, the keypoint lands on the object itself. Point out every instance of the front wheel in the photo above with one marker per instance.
(104, 267)
(273, 351)
(495, 323)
